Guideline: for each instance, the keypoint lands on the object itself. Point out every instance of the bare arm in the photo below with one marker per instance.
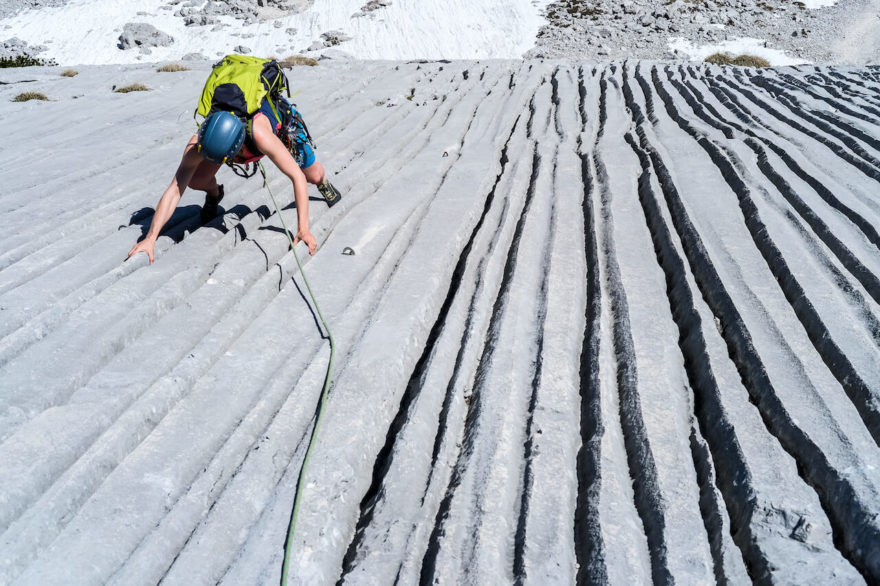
(271, 146)
(168, 203)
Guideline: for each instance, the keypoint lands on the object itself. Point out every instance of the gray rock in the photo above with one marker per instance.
(333, 38)
(15, 47)
(199, 20)
(193, 57)
(215, 9)
(370, 7)
(242, 49)
(12, 7)
(143, 35)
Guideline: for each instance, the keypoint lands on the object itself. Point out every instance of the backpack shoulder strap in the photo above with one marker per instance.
(275, 115)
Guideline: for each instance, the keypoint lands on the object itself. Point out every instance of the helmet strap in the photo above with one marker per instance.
(247, 170)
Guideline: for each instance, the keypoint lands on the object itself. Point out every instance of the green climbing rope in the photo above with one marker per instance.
(297, 499)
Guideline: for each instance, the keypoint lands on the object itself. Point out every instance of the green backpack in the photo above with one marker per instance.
(239, 83)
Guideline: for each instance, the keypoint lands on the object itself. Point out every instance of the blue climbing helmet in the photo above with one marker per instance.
(220, 137)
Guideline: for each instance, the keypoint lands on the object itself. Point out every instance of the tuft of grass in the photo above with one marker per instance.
(738, 60)
(294, 60)
(69, 73)
(172, 67)
(750, 61)
(24, 61)
(719, 59)
(28, 96)
(135, 87)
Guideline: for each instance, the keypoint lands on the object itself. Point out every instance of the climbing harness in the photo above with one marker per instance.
(297, 499)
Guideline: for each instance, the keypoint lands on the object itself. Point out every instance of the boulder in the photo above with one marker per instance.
(199, 20)
(370, 7)
(143, 35)
(15, 47)
(333, 38)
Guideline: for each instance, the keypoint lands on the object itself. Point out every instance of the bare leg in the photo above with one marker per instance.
(204, 179)
(314, 173)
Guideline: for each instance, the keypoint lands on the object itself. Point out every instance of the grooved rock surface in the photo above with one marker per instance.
(604, 323)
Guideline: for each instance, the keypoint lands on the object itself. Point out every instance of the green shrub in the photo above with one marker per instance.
(28, 96)
(135, 87)
(739, 60)
(25, 61)
(293, 60)
(172, 67)
(69, 73)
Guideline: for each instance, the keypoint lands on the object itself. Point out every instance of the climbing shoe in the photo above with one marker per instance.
(330, 193)
(209, 210)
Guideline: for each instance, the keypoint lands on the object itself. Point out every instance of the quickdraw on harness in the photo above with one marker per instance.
(290, 128)
(297, 123)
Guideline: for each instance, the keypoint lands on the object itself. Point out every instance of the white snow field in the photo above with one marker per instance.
(87, 31)
(603, 324)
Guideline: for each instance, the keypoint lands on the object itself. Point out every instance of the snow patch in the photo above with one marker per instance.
(813, 4)
(739, 46)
